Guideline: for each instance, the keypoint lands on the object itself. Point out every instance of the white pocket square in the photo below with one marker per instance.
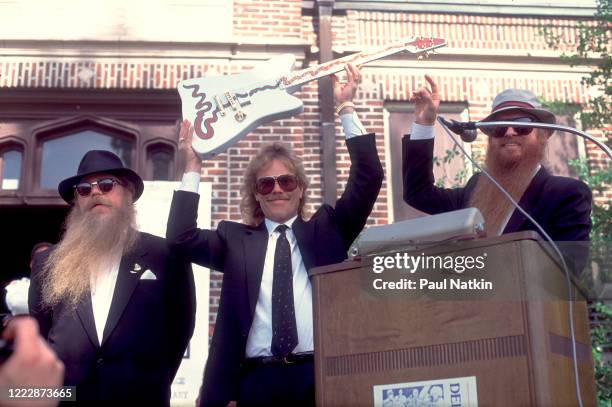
(148, 275)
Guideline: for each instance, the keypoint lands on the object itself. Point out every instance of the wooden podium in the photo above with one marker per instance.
(513, 339)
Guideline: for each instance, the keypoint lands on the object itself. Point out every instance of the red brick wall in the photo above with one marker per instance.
(272, 19)
(470, 38)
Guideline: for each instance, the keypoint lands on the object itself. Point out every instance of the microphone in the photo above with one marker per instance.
(465, 130)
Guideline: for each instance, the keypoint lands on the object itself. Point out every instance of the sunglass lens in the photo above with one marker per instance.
(287, 182)
(84, 188)
(500, 131)
(523, 131)
(105, 185)
(265, 185)
(489, 131)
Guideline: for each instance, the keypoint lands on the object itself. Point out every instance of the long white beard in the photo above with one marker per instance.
(90, 245)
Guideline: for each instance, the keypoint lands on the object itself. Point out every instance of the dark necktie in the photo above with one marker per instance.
(284, 329)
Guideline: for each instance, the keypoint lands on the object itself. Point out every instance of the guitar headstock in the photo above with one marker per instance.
(425, 45)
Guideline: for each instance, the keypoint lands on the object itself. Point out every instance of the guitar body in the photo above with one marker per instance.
(226, 108)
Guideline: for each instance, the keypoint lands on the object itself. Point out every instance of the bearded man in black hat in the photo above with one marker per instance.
(115, 304)
(561, 205)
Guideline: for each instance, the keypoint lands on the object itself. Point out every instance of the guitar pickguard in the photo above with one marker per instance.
(202, 124)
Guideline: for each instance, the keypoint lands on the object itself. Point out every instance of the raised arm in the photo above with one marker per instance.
(417, 157)
(200, 246)
(366, 173)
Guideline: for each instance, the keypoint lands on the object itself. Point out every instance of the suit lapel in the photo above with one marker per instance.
(527, 202)
(124, 287)
(304, 242)
(255, 246)
(85, 313)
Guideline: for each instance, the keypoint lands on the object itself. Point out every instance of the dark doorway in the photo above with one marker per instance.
(22, 228)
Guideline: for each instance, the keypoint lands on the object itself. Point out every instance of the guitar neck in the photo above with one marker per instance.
(414, 45)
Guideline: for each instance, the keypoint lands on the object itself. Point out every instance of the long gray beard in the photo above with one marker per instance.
(91, 244)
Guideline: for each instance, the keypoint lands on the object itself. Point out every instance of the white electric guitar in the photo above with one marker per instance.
(223, 109)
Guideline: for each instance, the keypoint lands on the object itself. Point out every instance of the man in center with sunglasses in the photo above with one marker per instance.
(561, 205)
(262, 347)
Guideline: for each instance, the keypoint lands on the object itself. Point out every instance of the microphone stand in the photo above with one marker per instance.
(461, 127)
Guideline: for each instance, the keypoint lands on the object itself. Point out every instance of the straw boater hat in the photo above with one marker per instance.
(96, 161)
(521, 100)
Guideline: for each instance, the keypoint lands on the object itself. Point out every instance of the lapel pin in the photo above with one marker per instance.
(136, 268)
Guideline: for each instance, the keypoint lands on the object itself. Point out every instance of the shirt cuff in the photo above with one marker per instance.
(421, 132)
(190, 182)
(352, 126)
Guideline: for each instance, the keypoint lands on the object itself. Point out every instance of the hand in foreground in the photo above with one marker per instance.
(32, 364)
(190, 161)
(427, 102)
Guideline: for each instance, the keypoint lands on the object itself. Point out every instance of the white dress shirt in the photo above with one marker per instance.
(102, 290)
(260, 334)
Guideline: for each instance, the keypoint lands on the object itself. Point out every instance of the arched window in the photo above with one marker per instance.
(160, 163)
(11, 159)
(61, 155)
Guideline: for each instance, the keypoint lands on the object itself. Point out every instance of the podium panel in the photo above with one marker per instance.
(506, 347)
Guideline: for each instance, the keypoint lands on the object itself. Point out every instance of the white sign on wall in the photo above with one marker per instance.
(153, 208)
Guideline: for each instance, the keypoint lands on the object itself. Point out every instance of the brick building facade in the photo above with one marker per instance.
(118, 76)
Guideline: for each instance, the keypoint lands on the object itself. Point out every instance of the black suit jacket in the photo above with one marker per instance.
(147, 331)
(239, 251)
(561, 205)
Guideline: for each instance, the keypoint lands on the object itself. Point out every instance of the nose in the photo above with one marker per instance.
(277, 189)
(511, 132)
(95, 190)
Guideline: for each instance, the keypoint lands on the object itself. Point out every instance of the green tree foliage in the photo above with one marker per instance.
(593, 47)
(592, 50)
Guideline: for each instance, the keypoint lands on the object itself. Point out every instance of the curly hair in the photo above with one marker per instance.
(249, 207)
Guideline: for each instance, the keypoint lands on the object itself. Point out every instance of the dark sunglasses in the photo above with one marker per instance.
(501, 131)
(287, 182)
(105, 185)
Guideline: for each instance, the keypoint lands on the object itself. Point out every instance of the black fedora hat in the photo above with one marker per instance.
(95, 161)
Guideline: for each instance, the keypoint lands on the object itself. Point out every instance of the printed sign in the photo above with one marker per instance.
(456, 392)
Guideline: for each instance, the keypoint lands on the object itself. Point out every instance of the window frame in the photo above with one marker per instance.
(152, 147)
(29, 116)
(7, 144)
(66, 128)
(394, 178)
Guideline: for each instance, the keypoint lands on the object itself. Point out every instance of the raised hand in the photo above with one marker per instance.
(345, 92)
(190, 160)
(427, 102)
